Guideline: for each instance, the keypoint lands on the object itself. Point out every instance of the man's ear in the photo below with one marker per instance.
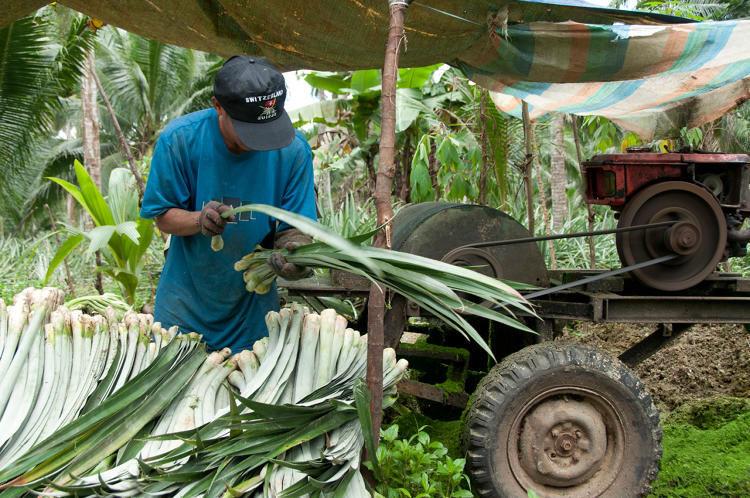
(216, 104)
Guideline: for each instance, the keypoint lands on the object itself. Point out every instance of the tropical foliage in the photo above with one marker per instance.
(120, 233)
(150, 83)
(419, 467)
(40, 66)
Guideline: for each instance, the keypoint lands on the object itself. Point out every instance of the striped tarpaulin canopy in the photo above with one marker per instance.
(668, 76)
(647, 71)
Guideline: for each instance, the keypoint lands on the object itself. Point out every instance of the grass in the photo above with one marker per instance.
(706, 450)
(24, 261)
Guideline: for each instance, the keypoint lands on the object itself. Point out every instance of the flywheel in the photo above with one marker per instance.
(698, 234)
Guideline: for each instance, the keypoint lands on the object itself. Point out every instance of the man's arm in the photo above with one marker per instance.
(179, 222)
(183, 223)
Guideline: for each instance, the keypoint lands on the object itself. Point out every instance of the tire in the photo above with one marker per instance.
(562, 420)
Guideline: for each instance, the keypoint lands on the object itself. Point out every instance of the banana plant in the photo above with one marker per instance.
(122, 236)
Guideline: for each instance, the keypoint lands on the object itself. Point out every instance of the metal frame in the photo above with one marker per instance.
(603, 297)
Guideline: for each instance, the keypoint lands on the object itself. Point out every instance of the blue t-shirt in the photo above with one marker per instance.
(199, 290)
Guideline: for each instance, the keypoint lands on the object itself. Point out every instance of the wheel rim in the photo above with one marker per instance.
(566, 441)
(698, 236)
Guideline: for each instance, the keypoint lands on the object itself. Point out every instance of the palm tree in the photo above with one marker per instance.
(558, 173)
(150, 83)
(41, 57)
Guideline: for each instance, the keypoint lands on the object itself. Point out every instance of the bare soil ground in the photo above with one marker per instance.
(706, 361)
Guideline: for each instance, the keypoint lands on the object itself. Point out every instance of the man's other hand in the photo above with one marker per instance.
(210, 219)
(290, 240)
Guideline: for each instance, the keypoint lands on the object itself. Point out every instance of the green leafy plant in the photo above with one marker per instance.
(121, 235)
(418, 468)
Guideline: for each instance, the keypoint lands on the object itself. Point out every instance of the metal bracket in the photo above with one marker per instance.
(664, 334)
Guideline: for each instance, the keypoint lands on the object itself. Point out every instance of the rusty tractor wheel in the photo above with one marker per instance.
(562, 420)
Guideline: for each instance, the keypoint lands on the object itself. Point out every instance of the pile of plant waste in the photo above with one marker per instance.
(96, 405)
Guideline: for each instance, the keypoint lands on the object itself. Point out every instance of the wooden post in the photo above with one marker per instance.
(383, 188)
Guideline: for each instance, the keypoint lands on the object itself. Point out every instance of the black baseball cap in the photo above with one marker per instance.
(252, 91)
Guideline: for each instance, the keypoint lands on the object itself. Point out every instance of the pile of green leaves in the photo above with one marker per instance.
(418, 468)
(440, 288)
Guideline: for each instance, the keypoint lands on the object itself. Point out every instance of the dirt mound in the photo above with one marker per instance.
(706, 361)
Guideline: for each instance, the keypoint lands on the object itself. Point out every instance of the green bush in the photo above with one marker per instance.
(419, 468)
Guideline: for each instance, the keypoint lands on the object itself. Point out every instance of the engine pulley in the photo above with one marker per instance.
(698, 234)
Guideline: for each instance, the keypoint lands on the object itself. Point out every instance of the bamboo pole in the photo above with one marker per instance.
(383, 188)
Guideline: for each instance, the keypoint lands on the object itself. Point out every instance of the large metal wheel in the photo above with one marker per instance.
(437, 230)
(698, 236)
(562, 421)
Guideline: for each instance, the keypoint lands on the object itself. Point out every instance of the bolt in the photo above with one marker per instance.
(578, 434)
(555, 433)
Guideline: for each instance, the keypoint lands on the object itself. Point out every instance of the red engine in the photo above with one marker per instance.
(612, 179)
(682, 211)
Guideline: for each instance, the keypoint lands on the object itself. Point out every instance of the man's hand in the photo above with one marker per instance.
(290, 240)
(210, 220)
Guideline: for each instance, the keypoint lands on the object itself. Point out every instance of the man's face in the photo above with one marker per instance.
(232, 141)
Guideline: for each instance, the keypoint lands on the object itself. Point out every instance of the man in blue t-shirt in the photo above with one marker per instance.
(243, 151)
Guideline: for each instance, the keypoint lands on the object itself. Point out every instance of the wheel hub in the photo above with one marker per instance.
(481, 260)
(684, 238)
(563, 442)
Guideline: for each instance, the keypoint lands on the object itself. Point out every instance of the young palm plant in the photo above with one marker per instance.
(119, 232)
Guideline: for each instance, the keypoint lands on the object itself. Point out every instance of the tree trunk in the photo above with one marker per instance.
(121, 137)
(559, 178)
(92, 159)
(406, 158)
(545, 213)
(485, 165)
(527, 166)
(533, 165)
(68, 275)
(589, 209)
(383, 192)
(433, 168)
(324, 186)
(91, 152)
(70, 209)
